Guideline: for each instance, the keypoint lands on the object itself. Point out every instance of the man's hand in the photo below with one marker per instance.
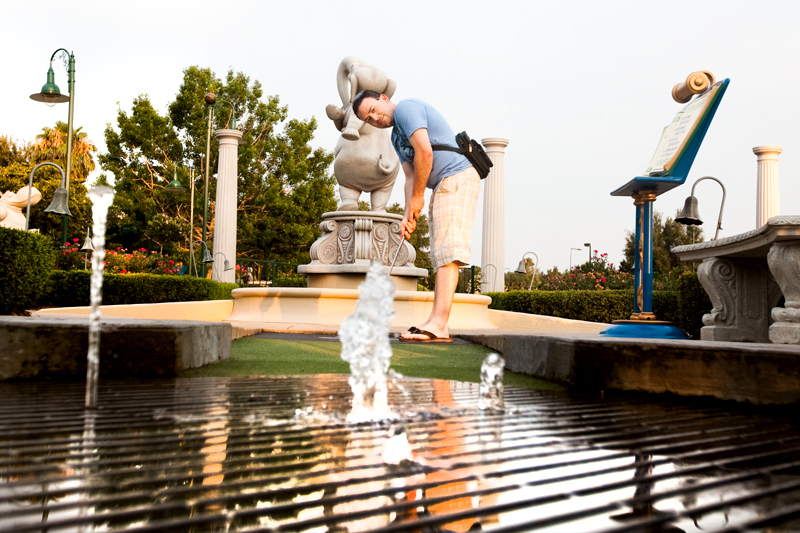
(408, 226)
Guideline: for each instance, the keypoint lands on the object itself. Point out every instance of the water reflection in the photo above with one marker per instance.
(228, 454)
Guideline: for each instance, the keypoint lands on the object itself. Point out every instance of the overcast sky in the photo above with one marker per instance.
(581, 89)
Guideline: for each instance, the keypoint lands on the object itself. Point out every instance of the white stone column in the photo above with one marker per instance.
(225, 209)
(767, 194)
(494, 199)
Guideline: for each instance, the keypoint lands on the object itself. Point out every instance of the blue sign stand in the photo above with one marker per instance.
(644, 190)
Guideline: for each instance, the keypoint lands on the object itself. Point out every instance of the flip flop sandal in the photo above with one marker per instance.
(432, 339)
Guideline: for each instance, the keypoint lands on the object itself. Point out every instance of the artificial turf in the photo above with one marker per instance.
(272, 357)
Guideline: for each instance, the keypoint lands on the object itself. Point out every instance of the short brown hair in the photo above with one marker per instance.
(360, 98)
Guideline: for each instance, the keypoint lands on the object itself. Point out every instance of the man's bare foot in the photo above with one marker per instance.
(425, 335)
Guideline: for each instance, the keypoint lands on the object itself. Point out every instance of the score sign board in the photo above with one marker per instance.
(677, 135)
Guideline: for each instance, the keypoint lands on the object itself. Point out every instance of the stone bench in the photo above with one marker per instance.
(746, 276)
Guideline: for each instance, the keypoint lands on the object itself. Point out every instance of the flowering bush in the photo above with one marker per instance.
(118, 261)
(595, 274)
(70, 256)
(667, 281)
(599, 274)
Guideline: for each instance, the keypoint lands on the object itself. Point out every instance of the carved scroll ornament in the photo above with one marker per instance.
(718, 278)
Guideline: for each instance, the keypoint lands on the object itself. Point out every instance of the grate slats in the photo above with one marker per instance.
(276, 454)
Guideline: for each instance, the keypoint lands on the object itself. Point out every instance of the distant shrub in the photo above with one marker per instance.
(71, 288)
(684, 307)
(590, 305)
(26, 262)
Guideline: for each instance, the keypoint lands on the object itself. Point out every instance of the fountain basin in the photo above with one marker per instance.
(332, 306)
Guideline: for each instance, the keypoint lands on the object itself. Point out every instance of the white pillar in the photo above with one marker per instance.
(225, 209)
(493, 241)
(767, 195)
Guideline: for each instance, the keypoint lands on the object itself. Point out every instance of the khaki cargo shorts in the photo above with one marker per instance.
(450, 215)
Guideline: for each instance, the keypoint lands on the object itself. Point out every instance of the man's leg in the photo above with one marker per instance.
(443, 294)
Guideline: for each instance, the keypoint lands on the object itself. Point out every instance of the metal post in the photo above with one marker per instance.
(205, 195)
(68, 165)
(191, 221)
(472, 280)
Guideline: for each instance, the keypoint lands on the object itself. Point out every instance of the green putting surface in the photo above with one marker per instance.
(281, 357)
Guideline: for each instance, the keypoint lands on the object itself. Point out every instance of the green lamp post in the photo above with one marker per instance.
(211, 100)
(51, 95)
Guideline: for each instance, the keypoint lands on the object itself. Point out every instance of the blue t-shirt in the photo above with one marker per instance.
(411, 115)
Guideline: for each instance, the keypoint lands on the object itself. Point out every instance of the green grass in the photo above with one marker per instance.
(271, 357)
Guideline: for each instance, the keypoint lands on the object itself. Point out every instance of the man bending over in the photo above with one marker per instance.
(455, 184)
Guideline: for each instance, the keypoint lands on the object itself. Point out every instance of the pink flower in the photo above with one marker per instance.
(171, 261)
(595, 251)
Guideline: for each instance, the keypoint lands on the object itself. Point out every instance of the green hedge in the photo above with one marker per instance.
(71, 288)
(684, 307)
(693, 303)
(26, 262)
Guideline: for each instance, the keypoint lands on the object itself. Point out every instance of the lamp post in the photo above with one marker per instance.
(689, 216)
(207, 257)
(523, 268)
(51, 95)
(227, 264)
(87, 246)
(589, 246)
(59, 205)
(211, 101)
(191, 222)
(570, 256)
(482, 277)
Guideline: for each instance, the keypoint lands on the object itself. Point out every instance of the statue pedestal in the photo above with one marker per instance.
(350, 241)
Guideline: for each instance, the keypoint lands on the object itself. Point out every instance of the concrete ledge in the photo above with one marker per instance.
(56, 348)
(208, 311)
(757, 373)
(510, 321)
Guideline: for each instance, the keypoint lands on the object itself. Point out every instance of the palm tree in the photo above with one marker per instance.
(51, 145)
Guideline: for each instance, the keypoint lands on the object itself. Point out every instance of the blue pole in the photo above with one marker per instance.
(647, 270)
(637, 247)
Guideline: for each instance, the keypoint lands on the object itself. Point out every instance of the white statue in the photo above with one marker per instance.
(353, 76)
(11, 206)
(365, 160)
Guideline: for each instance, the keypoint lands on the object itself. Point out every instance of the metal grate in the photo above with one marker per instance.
(273, 454)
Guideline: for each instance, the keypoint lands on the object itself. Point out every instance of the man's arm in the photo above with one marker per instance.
(416, 179)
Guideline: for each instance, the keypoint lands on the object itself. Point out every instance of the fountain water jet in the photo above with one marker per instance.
(101, 198)
(491, 392)
(365, 345)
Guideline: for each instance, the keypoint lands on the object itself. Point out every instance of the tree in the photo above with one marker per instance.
(667, 234)
(11, 152)
(51, 145)
(284, 185)
(17, 162)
